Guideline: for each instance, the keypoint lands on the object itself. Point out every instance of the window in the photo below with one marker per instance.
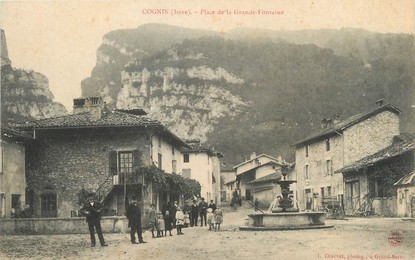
(16, 201)
(306, 151)
(306, 173)
(174, 166)
(159, 141)
(328, 144)
(48, 205)
(186, 158)
(160, 161)
(187, 173)
(125, 160)
(328, 190)
(172, 150)
(329, 167)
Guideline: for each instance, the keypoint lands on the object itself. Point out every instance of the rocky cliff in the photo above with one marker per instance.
(243, 92)
(25, 95)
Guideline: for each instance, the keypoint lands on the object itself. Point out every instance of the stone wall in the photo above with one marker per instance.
(370, 136)
(48, 226)
(66, 161)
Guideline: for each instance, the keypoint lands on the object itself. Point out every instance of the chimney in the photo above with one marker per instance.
(379, 103)
(92, 105)
(323, 123)
(336, 118)
(253, 155)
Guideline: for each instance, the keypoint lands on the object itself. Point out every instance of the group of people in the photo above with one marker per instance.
(210, 214)
(172, 216)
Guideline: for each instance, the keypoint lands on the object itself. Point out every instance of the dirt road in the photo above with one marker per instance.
(354, 238)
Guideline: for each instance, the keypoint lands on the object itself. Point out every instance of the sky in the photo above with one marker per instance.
(59, 38)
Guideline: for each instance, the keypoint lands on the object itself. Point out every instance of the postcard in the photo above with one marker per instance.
(247, 129)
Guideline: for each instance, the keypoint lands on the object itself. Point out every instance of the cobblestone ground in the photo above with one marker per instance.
(353, 238)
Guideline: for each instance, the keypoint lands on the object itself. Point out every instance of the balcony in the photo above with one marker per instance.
(127, 178)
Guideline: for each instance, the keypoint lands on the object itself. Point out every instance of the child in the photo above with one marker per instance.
(168, 222)
(160, 225)
(186, 219)
(218, 217)
(210, 219)
(153, 219)
(179, 221)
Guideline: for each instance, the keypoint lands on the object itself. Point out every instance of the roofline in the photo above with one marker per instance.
(258, 166)
(336, 130)
(263, 154)
(156, 127)
(372, 163)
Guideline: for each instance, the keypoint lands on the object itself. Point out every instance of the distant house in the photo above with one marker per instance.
(202, 164)
(406, 195)
(338, 144)
(370, 181)
(252, 169)
(12, 171)
(227, 183)
(99, 150)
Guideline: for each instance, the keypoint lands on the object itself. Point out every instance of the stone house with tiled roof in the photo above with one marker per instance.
(405, 195)
(338, 144)
(371, 181)
(99, 150)
(252, 169)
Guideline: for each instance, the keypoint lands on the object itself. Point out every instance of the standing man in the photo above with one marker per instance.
(194, 214)
(92, 211)
(203, 211)
(173, 210)
(134, 221)
(212, 205)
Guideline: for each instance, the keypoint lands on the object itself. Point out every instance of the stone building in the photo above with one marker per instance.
(98, 150)
(369, 182)
(252, 169)
(12, 171)
(338, 144)
(406, 196)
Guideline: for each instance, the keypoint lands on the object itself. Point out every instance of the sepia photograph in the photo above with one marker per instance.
(237, 129)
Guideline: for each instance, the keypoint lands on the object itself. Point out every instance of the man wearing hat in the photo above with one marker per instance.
(194, 213)
(92, 211)
(203, 211)
(134, 221)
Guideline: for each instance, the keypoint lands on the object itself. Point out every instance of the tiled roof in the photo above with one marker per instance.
(340, 126)
(112, 118)
(250, 160)
(14, 133)
(268, 178)
(258, 166)
(200, 149)
(408, 179)
(401, 144)
(108, 119)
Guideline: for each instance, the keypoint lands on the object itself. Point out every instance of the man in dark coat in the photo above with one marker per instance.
(203, 211)
(212, 205)
(92, 211)
(194, 213)
(134, 221)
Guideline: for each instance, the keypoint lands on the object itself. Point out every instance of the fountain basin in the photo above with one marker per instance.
(286, 221)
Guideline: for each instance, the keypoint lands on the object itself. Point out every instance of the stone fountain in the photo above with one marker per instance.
(282, 215)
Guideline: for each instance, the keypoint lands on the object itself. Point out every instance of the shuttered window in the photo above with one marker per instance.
(124, 161)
